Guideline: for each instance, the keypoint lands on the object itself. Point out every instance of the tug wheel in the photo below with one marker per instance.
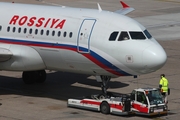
(105, 109)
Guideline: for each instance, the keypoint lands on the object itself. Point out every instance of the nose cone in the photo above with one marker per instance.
(154, 57)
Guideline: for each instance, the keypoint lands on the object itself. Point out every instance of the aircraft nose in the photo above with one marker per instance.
(154, 57)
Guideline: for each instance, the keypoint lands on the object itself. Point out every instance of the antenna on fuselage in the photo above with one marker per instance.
(99, 7)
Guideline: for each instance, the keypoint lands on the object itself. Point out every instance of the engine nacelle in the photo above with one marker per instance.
(24, 58)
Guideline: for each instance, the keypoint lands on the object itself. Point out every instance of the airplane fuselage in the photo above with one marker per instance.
(76, 40)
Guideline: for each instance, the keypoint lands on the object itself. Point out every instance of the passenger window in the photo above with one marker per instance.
(59, 33)
(0, 28)
(36, 31)
(42, 31)
(137, 35)
(113, 36)
(30, 31)
(19, 30)
(64, 34)
(47, 32)
(70, 34)
(123, 36)
(14, 29)
(8, 28)
(25, 30)
(53, 33)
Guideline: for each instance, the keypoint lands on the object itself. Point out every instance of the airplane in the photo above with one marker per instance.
(105, 44)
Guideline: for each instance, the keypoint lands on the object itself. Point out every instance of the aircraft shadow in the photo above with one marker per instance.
(59, 85)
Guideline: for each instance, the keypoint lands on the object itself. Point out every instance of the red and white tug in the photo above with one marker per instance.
(143, 101)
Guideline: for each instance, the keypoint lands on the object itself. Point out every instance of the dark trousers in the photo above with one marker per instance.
(164, 94)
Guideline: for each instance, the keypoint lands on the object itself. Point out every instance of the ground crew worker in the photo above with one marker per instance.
(144, 101)
(163, 85)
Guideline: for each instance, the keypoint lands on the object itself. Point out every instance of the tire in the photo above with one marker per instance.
(104, 108)
(29, 77)
(41, 76)
(101, 96)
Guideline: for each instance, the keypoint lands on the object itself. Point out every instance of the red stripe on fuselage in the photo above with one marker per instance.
(53, 45)
(102, 65)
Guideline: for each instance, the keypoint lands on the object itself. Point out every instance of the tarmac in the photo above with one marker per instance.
(48, 101)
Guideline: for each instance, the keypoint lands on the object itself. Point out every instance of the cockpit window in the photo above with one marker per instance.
(113, 36)
(123, 36)
(148, 35)
(137, 35)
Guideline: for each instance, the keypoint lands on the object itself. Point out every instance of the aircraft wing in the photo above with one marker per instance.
(125, 10)
(5, 54)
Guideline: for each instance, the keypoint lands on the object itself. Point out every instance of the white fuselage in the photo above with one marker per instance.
(75, 40)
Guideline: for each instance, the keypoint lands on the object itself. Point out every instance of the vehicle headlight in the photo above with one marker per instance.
(151, 110)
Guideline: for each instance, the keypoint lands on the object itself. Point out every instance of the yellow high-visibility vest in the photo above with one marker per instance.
(164, 83)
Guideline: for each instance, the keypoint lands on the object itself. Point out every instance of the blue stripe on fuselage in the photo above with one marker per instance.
(106, 64)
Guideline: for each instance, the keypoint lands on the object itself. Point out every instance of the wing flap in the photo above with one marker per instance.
(125, 10)
(5, 54)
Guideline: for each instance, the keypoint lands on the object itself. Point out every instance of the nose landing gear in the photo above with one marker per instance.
(103, 80)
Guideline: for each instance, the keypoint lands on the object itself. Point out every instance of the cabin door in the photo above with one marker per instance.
(84, 35)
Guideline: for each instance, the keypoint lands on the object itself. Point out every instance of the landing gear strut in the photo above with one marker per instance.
(104, 82)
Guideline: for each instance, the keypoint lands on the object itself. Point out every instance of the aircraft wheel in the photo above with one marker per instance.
(29, 77)
(105, 109)
(41, 76)
(102, 96)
